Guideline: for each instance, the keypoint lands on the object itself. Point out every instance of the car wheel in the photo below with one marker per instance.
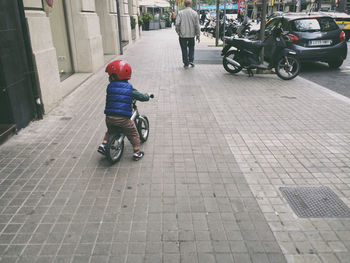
(335, 63)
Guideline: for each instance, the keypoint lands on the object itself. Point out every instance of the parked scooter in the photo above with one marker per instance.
(243, 30)
(232, 28)
(246, 54)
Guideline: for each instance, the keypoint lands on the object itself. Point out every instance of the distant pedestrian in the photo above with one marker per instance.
(245, 20)
(240, 16)
(221, 15)
(187, 27)
(203, 17)
(258, 18)
(173, 18)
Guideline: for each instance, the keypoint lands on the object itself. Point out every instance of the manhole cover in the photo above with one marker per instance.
(315, 202)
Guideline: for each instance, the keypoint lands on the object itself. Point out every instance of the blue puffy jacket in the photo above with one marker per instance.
(119, 99)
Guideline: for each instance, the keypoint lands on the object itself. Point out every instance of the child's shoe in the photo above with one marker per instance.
(102, 149)
(138, 155)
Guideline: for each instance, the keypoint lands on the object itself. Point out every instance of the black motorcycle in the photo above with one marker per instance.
(246, 54)
(243, 30)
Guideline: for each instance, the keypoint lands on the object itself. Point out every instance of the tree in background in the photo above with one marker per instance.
(172, 4)
(180, 3)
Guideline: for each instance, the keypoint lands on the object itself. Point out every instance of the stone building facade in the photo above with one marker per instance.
(72, 39)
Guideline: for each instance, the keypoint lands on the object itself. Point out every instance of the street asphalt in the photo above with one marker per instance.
(337, 80)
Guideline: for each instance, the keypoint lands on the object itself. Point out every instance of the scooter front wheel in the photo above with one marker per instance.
(287, 68)
(114, 148)
(232, 54)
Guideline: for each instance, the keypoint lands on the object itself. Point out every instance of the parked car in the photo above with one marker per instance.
(343, 21)
(314, 36)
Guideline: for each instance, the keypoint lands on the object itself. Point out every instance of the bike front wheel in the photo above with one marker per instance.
(287, 68)
(143, 128)
(114, 148)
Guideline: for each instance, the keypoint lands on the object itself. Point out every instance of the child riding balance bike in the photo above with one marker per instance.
(122, 116)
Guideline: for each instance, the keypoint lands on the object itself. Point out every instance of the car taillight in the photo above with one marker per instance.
(342, 36)
(291, 38)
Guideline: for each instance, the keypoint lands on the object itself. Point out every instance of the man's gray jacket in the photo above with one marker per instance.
(187, 23)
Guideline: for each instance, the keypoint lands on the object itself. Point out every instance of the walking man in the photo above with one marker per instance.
(187, 27)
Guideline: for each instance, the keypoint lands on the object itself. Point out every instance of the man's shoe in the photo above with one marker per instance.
(102, 149)
(192, 64)
(138, 155)
(186, 66)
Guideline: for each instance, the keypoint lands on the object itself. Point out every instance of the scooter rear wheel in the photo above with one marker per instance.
(229, 67)
(114, 148)
(287, 69)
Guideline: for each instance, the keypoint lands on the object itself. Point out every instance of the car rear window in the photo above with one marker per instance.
(314, 24)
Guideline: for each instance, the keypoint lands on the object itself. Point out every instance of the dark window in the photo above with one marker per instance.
(277, 22)
(327, 24)
(272, 24)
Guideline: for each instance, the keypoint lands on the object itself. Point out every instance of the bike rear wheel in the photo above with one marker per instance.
(114, 148)
(287, 69)
(227, 66)
(143, 128)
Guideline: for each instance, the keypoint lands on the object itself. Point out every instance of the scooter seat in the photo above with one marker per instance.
(246, 43)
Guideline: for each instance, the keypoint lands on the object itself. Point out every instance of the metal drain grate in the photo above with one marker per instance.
(315, 202)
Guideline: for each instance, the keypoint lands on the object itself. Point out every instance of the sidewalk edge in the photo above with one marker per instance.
(328, 91)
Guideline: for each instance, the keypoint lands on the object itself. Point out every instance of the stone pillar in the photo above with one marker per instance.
(87, 39)
(44, 53)
(133, 11)
(125, 20)
(107, 12)
(136, 13)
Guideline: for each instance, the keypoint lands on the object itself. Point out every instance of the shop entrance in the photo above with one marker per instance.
(17, 82)
(58, 22)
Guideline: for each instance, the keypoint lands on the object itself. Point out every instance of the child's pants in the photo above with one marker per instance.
(127, 125)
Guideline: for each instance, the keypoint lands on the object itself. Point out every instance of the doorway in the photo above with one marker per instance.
(18, 88)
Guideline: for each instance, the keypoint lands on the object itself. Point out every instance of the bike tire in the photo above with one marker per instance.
(114, 149)
(228, 67)
(143, 128)
(291, 70)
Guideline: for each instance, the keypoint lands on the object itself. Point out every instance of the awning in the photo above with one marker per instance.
(154, 3)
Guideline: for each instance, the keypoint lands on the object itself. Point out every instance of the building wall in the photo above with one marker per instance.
(107, 12)
(92, 32)
(44, 53)
(275, 5)
(125, 20)
(85, 36)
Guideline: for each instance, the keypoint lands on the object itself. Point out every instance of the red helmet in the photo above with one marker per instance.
(119, 67)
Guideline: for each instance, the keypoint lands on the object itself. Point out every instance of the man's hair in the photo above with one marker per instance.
(188, 3)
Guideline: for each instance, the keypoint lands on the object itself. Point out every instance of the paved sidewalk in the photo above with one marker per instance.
(207, 189)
